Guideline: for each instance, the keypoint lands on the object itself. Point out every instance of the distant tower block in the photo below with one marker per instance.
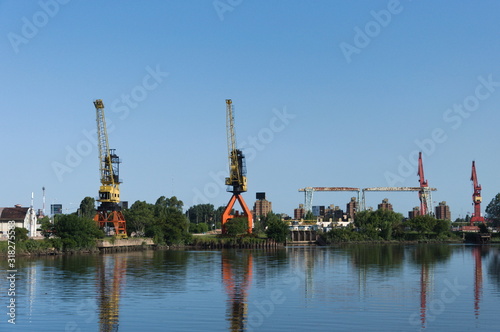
(443, 211)
(413, 213)
(262, 207)
(351, 208)
(385, 205)
(299, 213)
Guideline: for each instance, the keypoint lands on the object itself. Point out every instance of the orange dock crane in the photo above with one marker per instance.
(237, 180)
(424, 194)
(476, 198)
(109, 210)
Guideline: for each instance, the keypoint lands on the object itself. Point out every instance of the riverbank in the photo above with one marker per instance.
(44, 247)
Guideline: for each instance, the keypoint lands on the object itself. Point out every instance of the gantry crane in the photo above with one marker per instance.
(476, 197)
(237, 180)
(401, 189)
(424, 194)
(308, 192)
(109, 193)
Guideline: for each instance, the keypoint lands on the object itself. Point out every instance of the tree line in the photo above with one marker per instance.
(164, 222)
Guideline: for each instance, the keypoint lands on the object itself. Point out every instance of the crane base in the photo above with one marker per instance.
(226, 216)
(116, 218)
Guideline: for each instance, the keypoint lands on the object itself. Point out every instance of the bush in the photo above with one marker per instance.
(237, 226)
(76, 232)
(198, 228)
(21, 234)
(277, 230)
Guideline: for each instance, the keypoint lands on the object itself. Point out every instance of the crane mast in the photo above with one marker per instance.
(476, 197)
(424, 194)
(109, 191)
(237, 170)
(237, 180)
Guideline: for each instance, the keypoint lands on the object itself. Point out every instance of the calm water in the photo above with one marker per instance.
(358, 287)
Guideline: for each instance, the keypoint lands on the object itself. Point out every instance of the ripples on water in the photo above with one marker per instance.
(356, 287)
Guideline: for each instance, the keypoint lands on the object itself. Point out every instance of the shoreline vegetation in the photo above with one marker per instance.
(164, 225)
(44, 247)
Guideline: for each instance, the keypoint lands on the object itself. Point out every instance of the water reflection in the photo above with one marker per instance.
(110, 277)
(384, 258)
(237, 277)
(478, 278)
(437, 287)
(494, 267)
(427, 256)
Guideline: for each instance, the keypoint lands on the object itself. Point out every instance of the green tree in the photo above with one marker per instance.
(139, 216)
(493, 210)
(198, 228)
(423, 224)
(442, 226)
(76, 232)
(309, 216)
(46, 227)
(201, 213)
(237, 226)
(170, 225)
(259, 224)
(381, 223)
(163, 204)
(87, 208)
(483, 228)
(176, 227)
(21, 234)
(277, 229)
(218, 216)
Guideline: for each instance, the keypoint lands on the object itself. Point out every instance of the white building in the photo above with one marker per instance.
(23, 217)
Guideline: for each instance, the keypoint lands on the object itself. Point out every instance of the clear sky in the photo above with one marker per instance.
(326, 93)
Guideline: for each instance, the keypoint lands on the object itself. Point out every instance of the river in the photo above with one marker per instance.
(354, 287)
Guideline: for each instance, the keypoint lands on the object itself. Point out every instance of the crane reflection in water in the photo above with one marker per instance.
(237, 279)
(110, 279)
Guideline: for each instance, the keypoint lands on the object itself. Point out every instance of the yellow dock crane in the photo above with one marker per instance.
(109, 210)
(237, 180)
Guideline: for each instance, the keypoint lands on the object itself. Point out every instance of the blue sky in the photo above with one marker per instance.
(326, 93)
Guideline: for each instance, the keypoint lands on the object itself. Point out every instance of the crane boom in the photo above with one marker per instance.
(424, 194)
(108, 160)
(422, 180)
(237, 169)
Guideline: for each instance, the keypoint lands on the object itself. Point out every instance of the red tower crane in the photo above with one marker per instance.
(424, 193)
(476, 197)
